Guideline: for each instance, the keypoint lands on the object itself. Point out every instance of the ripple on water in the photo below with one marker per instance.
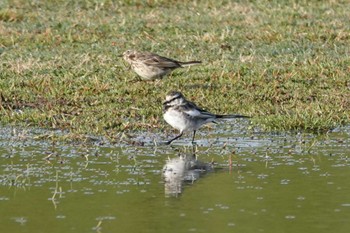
(106, 218)
(20, 220)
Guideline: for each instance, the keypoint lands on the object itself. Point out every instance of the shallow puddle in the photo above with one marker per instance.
(241, 181)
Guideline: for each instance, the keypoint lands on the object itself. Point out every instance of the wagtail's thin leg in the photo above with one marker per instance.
(177, 136)
(194, 134)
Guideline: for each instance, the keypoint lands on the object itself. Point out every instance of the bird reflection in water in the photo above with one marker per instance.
(181, 170)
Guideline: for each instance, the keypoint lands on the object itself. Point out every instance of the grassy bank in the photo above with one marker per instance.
(286, 64)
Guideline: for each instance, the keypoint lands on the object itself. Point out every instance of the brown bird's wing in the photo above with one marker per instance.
(155, 60)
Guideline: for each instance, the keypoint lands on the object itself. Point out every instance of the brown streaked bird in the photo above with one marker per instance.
(150, 66)
(185, 115)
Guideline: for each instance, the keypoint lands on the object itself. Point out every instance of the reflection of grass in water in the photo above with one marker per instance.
(16, 178)
(285, 65)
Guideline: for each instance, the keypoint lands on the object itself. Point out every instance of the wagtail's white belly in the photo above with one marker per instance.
(179, 120)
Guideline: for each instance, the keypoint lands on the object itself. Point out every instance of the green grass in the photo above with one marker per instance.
(285, 63)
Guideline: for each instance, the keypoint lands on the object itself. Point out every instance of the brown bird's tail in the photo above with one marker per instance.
(189, 63)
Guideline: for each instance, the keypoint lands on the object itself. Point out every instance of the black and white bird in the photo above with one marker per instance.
(185, 115)
(151, 66)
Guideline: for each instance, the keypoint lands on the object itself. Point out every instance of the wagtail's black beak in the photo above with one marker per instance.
(120, 55)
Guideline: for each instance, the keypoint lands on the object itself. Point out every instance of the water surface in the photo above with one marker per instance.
(242, 181)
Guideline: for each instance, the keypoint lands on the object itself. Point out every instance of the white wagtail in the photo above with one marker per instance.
(150, 66)
(185, 115)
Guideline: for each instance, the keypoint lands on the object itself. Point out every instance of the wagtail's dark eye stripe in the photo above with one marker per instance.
(171, 100)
